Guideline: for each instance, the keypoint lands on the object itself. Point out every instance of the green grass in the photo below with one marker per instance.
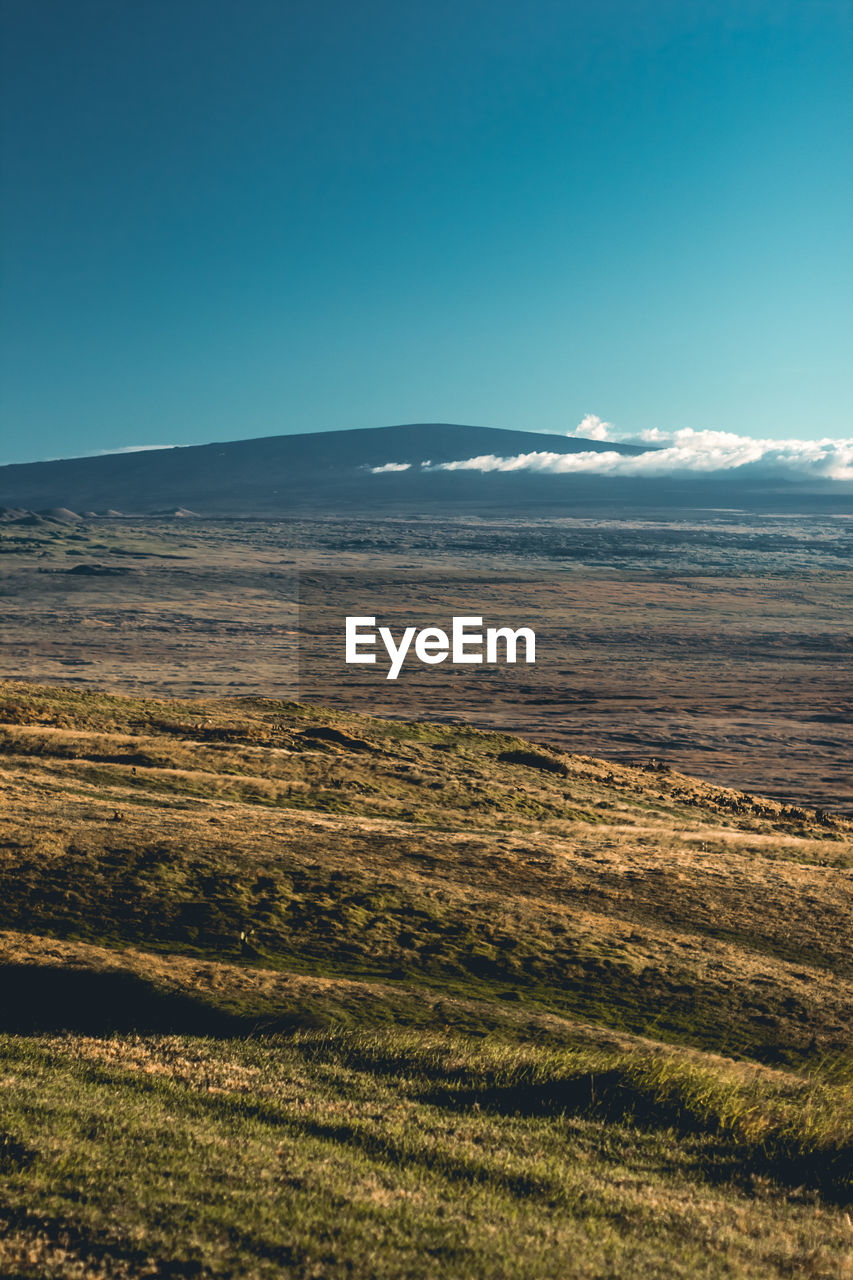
(287, 992)
(413, 1156)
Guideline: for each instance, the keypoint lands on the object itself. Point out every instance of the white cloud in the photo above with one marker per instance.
(136, 448)
(592, 428)
(555, 463)
(390, 466)
(684, 451)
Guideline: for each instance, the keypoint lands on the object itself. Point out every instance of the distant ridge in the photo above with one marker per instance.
(270, 474)
(333, 471)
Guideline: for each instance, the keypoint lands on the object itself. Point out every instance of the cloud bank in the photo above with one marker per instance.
(673, 453)
(685, 451)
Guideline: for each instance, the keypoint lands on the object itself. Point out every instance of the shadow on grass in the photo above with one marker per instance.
(610, 1097)
(37, 998)
(87, 1248)
(54, 998)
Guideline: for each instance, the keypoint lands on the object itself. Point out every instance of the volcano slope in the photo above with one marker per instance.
(293, 992)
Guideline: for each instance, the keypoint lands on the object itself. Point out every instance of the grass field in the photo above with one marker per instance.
(295, 992)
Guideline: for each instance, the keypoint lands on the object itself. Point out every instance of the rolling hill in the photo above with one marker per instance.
(289, 991)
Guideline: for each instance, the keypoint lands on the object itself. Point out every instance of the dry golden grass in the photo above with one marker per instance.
(467, 863)
(489, 1009)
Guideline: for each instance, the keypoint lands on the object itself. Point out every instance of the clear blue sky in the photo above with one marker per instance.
(228, 218)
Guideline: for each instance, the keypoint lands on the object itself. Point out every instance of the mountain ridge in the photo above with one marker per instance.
(267, 474)
(388, 470)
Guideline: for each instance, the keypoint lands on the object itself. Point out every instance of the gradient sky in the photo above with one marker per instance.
(223, 219)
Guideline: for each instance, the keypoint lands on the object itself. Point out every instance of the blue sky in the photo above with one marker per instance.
(224, 219)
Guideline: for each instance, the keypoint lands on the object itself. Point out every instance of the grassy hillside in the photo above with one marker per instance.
(294, 992)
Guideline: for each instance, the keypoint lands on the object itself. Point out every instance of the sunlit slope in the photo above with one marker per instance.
(305, 993)
(236, 864)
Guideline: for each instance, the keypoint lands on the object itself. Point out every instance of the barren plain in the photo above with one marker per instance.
(720, 645)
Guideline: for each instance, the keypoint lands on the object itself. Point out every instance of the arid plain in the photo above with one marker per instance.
(719, 644)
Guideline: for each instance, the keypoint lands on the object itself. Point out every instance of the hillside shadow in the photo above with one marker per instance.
(50, 998)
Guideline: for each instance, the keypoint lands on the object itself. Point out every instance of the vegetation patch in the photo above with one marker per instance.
(291, 992)
(534, 760)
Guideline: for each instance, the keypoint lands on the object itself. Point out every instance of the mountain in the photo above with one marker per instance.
(334, 470)
(268, 475)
